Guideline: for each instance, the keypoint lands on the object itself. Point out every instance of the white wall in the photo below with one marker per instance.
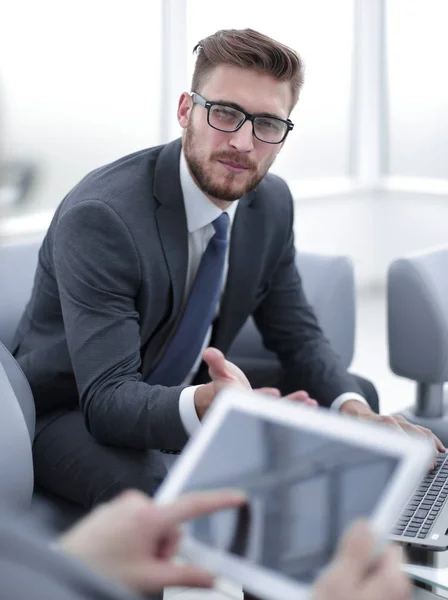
(373, 227)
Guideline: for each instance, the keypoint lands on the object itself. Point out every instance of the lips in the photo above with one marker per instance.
(233, 166)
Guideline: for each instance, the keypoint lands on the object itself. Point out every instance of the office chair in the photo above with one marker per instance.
(17, 414)
(417, 313)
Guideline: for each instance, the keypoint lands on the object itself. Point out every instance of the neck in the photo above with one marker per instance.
(222, 204)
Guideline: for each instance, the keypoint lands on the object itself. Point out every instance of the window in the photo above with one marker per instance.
(79, 87)
(417, 48)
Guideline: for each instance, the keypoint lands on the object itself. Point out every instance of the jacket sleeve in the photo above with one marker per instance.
(290, 329)
(98, 274)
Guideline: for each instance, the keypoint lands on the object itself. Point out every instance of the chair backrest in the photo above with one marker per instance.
(418, 316)
(329, 286)
(17, 416)
(16, 432)
(17, 268)
(417, 312)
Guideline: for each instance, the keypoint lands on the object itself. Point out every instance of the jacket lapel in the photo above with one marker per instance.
(172, 220)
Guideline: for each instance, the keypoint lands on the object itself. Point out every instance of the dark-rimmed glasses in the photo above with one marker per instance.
(224, 117)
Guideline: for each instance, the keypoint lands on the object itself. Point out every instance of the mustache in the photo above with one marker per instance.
(234, 157)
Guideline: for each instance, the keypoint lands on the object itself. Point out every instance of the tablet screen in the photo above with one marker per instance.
(304, 488)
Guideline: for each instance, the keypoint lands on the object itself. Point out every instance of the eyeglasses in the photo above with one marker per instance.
(221, 116)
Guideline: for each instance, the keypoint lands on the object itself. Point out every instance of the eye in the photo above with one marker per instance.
(225, 113)
(269, 124)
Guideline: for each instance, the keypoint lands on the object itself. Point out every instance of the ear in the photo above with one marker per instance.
(184, 109)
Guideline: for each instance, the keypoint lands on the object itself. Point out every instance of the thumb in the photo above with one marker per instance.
(217, 364)
(355, 552)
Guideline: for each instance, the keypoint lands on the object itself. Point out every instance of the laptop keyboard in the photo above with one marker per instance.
(419, 514)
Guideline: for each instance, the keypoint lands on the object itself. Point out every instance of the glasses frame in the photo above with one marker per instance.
(198, 99)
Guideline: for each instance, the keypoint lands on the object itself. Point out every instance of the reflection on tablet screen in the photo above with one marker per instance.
(304, 489)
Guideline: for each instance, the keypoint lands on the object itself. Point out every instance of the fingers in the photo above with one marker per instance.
(197, 504)
(418, 430)
(354, 572)
(302, 397)
(169, 544)
(386, 579)
(391, 422)
(269, 391)
(438, 443)
(355, 551)
(167, 574)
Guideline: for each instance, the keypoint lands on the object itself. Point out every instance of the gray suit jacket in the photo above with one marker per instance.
(109, 287)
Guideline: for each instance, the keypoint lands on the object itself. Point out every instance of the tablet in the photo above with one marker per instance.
(307, 472)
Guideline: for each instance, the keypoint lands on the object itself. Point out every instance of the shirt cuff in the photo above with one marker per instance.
(340, 400)
(187, 410)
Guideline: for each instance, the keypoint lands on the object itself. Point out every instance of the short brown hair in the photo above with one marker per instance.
(248, 49)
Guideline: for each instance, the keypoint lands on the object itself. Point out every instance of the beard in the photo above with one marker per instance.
(230, 189)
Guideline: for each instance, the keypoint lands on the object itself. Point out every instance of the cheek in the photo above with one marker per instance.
(267, 156)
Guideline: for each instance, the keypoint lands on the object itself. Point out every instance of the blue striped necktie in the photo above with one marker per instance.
(200, 309)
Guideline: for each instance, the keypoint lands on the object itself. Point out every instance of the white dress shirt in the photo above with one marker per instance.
(201, 212)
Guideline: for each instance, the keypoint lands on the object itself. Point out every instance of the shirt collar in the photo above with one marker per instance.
(199, 209)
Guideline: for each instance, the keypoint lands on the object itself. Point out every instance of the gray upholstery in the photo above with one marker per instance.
(17, 418)
(20, 387)
(329, 286)
(17, 415)
(17, 267)
(418, 331)
(16, 463)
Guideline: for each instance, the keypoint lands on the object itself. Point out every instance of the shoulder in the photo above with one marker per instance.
(123, 188)
(274, 196)
(120, 180)
(273, 183)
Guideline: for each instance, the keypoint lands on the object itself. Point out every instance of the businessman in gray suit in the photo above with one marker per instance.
(158, 255)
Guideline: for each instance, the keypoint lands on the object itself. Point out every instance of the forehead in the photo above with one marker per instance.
(255, 92)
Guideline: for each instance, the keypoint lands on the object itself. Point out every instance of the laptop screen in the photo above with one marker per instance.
(304, 489)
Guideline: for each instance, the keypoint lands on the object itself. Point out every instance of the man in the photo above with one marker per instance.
(122, 551)
(152, 258)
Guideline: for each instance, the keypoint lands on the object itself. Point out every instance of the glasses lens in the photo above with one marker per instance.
(225, 118)
(270, 130)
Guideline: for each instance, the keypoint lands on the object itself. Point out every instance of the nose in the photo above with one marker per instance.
(242, 139)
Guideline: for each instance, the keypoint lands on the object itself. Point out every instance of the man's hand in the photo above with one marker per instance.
(224, 373)
(358, 409)
(132, 539)
(300, 396)
(355, 575)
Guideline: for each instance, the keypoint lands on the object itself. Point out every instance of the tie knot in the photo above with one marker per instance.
(221, 225)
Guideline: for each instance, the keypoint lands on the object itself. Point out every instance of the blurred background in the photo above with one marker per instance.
(84, 83)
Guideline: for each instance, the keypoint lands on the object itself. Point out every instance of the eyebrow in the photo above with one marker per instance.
(238, 107)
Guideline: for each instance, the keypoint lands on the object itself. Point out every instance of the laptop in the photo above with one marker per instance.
(308, 473)
(423, 522)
